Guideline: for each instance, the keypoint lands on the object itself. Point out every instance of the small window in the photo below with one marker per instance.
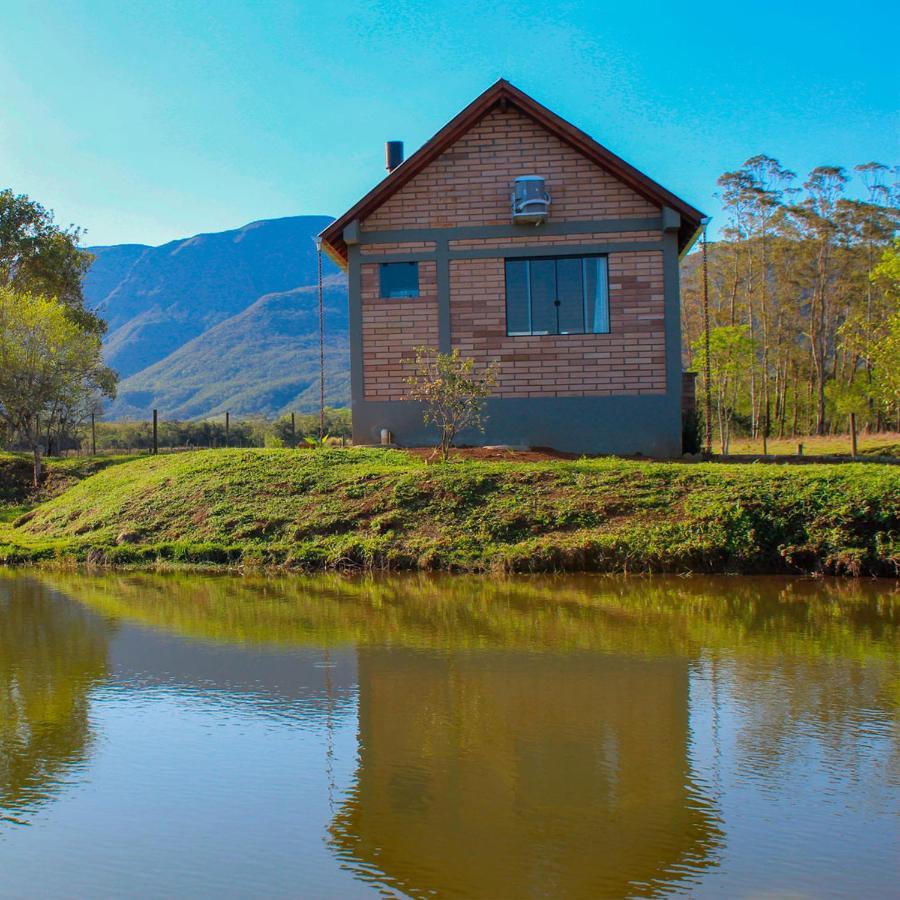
(400, 279)
(567, 295)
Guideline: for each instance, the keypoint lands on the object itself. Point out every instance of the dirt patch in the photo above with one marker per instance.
(546, 454)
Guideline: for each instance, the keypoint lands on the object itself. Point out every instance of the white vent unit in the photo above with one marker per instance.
(530, 201)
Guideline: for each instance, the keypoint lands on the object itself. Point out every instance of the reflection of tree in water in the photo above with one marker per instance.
(52, 651)
(470, 734)
(833, 645)
(509, 774)
(789, 705)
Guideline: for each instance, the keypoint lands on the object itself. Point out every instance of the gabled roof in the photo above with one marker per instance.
(505, 95)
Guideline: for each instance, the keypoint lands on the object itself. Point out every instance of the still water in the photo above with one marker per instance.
(201, 736)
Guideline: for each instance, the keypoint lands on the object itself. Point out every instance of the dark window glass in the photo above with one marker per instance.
(543, 296)
(568, 295)
(518, 302)
(400, 279)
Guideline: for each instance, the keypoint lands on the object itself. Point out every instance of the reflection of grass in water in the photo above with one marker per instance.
(644, 616)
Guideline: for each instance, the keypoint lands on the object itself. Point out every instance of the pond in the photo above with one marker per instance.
(225, 736)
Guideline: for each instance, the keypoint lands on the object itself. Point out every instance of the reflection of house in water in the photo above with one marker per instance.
(516, 774)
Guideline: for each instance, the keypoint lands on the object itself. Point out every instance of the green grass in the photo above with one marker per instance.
(883, 444)
(17, 491)
(387, 509)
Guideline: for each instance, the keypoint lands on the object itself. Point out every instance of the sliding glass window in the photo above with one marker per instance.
(565, 295)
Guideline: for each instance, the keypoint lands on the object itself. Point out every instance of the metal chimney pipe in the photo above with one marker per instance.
(393, 155)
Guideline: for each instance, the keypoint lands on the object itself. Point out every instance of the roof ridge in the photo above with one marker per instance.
(503, 90)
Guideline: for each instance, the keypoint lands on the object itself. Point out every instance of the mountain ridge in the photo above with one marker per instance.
(164, 306)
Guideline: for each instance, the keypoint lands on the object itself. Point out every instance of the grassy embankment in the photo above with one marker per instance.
(389, 509)
(17, 492)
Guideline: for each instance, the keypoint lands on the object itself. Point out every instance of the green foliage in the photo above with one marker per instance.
(39, 257)
(450, 391)
(849, 398)
(730, 351)
(885, 349)
(48, 362)
(337, 424)
(886, 357)
(249, 432)
(691, 437)
(372, 508)
(730, 356)
(887, 272)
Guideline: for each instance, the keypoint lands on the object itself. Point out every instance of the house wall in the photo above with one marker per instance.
(631, 359)
(618, 392)
(392, 329)
(470, 183)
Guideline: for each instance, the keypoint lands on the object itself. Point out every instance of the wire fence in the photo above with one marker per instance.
(157, 435)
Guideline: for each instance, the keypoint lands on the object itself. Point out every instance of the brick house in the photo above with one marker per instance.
(518, 239)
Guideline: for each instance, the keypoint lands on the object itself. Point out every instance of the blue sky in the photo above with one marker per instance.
(148, 121)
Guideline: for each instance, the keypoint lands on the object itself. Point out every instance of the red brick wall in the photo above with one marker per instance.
(397, 247)
(470, 183)
(631, 359)
(392, 328)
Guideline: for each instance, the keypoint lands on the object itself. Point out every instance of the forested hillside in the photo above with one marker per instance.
(263, 361)
(804, 302)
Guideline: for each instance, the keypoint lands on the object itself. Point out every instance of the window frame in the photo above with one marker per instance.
(401, 295)
(583, 257)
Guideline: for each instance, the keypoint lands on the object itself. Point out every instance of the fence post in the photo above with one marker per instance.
(293, 431)
(853, 435)
(93, 436)
(799, 449)
(227, 427)
(155, 433)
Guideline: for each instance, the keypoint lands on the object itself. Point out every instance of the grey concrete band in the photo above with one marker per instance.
(354, 291)
(617, 424)
(468, 232)
(534, 250)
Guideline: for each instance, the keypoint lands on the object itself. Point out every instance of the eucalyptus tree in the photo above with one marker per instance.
(792, 265)
(815, 223)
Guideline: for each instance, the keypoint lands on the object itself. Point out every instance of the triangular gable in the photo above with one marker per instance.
(504, 95)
